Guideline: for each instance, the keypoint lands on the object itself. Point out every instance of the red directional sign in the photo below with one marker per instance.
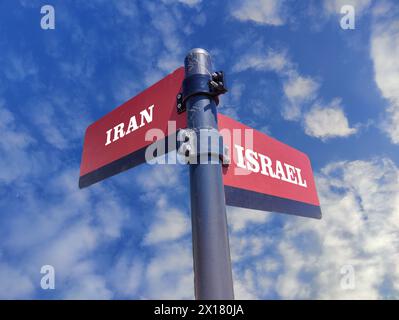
(266, 174)
(117, 141)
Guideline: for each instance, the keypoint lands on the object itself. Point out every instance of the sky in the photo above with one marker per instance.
(293, 73)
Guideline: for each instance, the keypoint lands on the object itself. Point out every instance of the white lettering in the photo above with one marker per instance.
(132, 125)
(280, 171)
(240, 156)
(166, 310)
(266, 162)
(146, 116)
(301, 182)
(291, 174)
(254, 161)
(108, 137)
(118, 131)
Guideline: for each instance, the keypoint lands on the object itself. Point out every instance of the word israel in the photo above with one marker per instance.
(255, 162)
(119, 130)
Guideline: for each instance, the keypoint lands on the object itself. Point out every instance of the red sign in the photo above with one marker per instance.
(117, 142)
(266, 174)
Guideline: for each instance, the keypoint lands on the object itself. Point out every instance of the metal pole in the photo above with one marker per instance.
(211, 252)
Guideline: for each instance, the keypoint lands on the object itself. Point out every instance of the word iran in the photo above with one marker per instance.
(119, 131)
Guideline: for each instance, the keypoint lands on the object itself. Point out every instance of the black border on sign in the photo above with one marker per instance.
(258, 201)
(129, 161)
(113, 168)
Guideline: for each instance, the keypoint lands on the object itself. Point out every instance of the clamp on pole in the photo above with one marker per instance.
(208, 145)
(210, 87)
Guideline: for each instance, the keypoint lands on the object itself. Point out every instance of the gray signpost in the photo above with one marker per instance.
(212, 263)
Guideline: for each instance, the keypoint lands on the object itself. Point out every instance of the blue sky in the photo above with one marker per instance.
(293, 73)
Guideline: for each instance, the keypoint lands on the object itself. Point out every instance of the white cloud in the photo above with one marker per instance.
(160, 176)
(229, 104)
(61, 226)
(169, 274)
(45, 115)
(17, 67)
(384, 52)
(189, 3)
(326, 122)
(266, 12)
(263, 60)
(111, 218)
(89, 286)
(170, 224)
(242, 292)
(359, 228)
(168, 25)
(45, 120)
(127, 275)
(237, 90)
(126, 8)
(298, 91)
(16, 160)
(334, 6)
(248, 246)
(14, 284)
(240, 218)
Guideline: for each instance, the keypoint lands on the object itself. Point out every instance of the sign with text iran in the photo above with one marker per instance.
(265, 174)
(118, 141)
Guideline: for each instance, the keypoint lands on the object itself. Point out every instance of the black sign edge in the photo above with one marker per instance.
(122, 164)
(248, 199)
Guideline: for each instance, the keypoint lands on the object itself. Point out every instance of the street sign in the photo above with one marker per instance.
(263, 174)
(266, 174)
(117, 141)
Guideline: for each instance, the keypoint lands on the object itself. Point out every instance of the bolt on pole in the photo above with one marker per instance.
(211, 252)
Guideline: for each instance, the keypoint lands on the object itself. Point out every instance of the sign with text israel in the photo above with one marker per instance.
(265, 174)
(118, 141)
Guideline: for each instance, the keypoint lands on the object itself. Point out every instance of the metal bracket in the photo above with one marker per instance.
(217, 84)
(202, 143)
(211, 87)
(181, 107)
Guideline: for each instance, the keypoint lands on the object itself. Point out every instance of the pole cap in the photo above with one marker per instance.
(198, 61)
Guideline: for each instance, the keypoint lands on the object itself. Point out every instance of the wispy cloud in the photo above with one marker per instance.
(16, 144)
(169, 274)
(327, 122)
(170, 224)
(14, 283)
(333, 7)
(300, 92)
(359, 229)
(384, 51)
(265, 12)
(261, 59)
